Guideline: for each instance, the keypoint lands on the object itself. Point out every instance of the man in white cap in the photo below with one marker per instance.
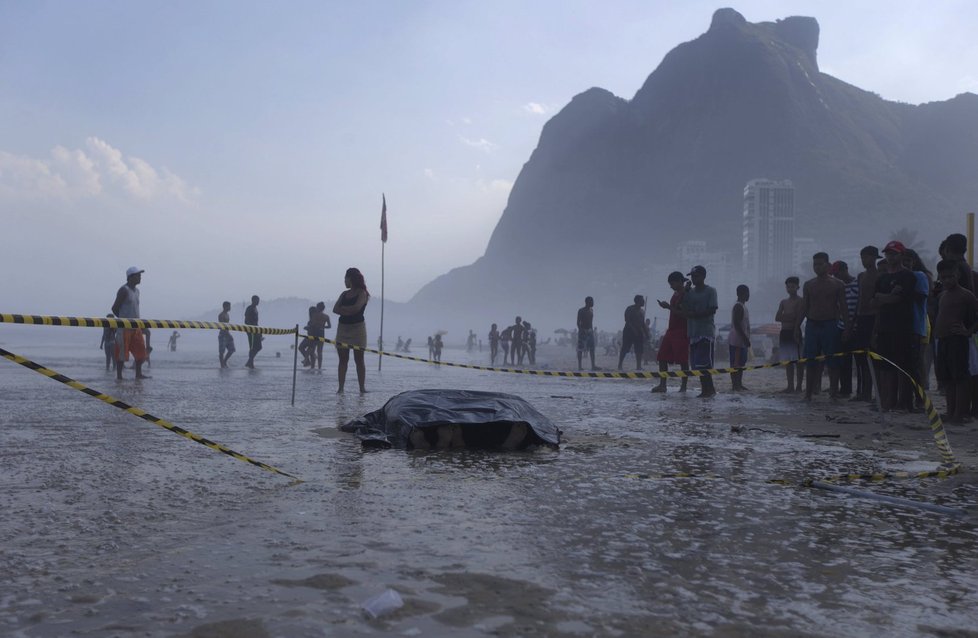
(129, 340)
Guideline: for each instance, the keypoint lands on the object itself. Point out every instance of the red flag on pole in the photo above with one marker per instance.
(383, 220)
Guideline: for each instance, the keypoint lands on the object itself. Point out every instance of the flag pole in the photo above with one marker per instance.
(383, 245)
(380, 357)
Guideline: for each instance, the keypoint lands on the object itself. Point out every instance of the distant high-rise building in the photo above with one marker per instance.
(769, 230)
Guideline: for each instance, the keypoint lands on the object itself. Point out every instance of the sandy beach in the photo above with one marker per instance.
(857, 425)
(116, 527)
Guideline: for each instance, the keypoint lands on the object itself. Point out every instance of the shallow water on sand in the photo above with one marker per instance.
(113, 526)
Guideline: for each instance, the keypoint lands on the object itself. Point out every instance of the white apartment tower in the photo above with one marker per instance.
(769, 230)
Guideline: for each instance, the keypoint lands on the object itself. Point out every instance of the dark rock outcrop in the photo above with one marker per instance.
(614, 185)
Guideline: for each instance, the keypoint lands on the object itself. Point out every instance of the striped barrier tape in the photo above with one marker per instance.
(584, 374)
(937, 426)
(142, 414)
(103, 322)
(115, 322)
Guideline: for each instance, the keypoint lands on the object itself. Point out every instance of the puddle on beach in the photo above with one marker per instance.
(113, 526)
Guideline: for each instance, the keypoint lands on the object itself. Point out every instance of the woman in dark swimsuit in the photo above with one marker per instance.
(351, 329)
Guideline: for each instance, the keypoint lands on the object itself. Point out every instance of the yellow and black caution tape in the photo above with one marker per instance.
(115, 322)
(142, 414)
(585, 374)
(936, 425)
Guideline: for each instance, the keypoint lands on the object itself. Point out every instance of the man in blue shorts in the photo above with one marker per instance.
(699, 306)
(825, 309)
(585, 332)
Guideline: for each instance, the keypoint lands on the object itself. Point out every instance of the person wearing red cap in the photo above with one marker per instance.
(894, 299)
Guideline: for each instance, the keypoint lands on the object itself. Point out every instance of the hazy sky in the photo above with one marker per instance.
(232, 148)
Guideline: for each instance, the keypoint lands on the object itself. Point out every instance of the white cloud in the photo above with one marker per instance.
(138, 177)
(968, 84)
(430, 174)
(498, 186)
(536, 108)
(78, 174)
(482, 144)
(78, 170)
(502, 185)
(19, 174)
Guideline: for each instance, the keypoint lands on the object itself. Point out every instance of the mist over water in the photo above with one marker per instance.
(113, 526)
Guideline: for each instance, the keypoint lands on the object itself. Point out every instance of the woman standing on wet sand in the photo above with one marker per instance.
(351, 329)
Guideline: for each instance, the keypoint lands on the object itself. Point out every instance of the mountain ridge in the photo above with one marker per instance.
(614, 185)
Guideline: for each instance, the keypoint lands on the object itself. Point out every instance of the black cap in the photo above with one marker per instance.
(697, 269)
(870, 250)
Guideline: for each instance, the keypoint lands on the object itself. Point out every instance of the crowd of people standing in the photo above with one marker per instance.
(894, 307)
(518, 342)
(119, 344)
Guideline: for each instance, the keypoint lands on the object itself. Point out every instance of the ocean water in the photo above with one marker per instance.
(111, 526)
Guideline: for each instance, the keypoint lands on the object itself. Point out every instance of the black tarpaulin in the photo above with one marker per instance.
(418, 418)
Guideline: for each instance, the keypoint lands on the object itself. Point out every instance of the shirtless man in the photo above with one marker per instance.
(824, 304)
(516, 346)
(318, 323)
(633, 334)
(790, 341)
(739, 339)
(493, 344)
(225, 342)
(254, 340)
(504, 340)
(585, 332)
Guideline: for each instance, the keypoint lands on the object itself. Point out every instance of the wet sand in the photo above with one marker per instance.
(114, 527)
(855, 424)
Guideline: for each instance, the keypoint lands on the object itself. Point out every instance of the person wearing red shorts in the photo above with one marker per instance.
(674, 347)
(129, 340)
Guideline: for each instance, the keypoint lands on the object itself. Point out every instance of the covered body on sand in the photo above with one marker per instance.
(426, 419)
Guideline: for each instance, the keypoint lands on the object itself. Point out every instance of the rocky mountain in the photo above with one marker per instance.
(614, 184)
